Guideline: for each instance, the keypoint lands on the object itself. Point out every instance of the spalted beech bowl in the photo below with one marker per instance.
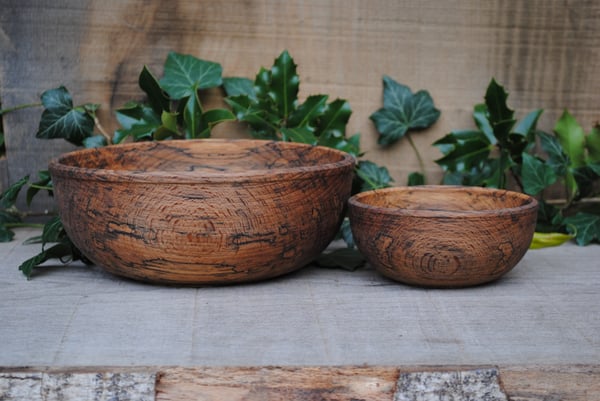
(202, 211)
(442, 236)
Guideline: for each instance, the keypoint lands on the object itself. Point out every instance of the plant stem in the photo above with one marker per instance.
(419, 158)
(17, 225)
(43, 187)
(101, 129)
(19, 107)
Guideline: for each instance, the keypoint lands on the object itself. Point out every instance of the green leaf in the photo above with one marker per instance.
(300, 134)
(61, 120)
(284, 84)
(45, 181)
(334, 119)
(343, 258)
(585, 177)
(549, 218)
(210, 118)
(307, 113)
(239, 86)
(349, 145)
(416, 179)
(346, 233)
(157, 97)
(373, 176)
(9, 196)
(592, 142)
(59, 251)
(463, 150)
(192, 115)
(138, 121)
(536, 175)
(545, 240)
(572, 138)
(185, 74)
(527, 125)
(6, 234)
(53, 231)
(585, 227)
(558, 159)
(500, 116)
(94, 141)
(481, 117)
(402, 111)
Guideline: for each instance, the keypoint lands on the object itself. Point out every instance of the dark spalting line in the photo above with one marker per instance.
(207, 167)
(240, 239)
(114, 230)
(158, 264)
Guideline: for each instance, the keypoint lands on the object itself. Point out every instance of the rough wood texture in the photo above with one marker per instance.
(443, 236)
(202, 212)
(278, 384)
(77, 386)
(545, 52)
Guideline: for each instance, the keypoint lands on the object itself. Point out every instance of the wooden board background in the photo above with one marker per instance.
(545, 52)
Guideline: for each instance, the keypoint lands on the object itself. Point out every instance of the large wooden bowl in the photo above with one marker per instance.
(202, 211)
(442, 236)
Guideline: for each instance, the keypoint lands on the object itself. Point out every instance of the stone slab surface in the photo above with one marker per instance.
(546, 311)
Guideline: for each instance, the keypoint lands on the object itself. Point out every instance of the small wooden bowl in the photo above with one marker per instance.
(442, 236)
(202, 211)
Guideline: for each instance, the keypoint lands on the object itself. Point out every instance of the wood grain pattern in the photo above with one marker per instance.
(443, 236)
(545, 52)
(204, 211)
(277, 383)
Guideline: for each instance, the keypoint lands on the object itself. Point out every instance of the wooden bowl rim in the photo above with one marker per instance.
(58, 168)
(356, 201)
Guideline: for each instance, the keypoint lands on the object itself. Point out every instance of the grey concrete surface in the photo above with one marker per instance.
(546, 311)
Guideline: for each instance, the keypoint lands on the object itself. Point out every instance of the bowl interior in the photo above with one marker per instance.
(443, 199)
(205, 157)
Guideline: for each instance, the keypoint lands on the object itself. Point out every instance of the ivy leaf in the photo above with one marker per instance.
(300, 134)
(210, 118)
(500, 116)
(235, 86)
(334, 119)
(61, 251)
(585, 227)
(536, 175)
(6, 234)
(284, 84)
(349, 145)
(402, 111)
(94, 141)
(138, 121)
(373, 176)
(185, 74)
(157, 97)
(526, 126)
(192, 115)
(592, 142)
(345, 258)
(481, 117)
(44, 181)
(61, 120)
(572, 138)
(307, 113)
(462, 150)
(416, 179)
(9, 196)
(557, 158)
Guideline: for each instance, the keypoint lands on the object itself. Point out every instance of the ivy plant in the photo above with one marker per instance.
(502, 153)
(402, 113)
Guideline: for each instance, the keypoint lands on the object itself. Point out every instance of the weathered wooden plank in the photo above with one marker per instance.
(545, 52)
(77, 386)
(551, 382)
(277, 383)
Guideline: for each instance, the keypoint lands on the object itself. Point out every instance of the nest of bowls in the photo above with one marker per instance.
(202, 211)
(213, 211)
